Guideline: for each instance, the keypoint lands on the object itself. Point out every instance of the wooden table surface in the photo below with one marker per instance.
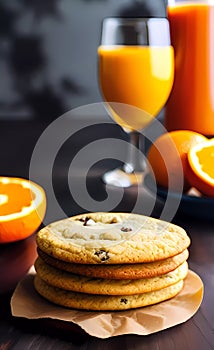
(16, 144)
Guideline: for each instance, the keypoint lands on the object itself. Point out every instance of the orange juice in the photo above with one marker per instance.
(191, 103)
(140, 76)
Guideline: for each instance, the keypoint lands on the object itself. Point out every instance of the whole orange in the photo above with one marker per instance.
(168, 158)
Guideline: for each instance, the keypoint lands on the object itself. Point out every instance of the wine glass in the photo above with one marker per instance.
(136, 71)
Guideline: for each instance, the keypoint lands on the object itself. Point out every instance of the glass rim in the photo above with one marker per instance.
(144, 31)
(135, 19)
(189, 2)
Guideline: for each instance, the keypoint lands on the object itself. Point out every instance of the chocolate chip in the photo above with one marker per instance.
(87, 221)
(84, 220)
(126, 229)
(102, 255)
(124, 300)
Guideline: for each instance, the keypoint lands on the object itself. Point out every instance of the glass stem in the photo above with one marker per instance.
(135, 158)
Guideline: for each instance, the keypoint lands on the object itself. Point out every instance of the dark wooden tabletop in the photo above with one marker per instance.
(17, 143)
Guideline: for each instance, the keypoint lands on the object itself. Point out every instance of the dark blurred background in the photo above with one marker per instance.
(48, 62)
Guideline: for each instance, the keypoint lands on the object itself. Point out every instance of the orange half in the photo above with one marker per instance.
(22, 208)
(201, 167)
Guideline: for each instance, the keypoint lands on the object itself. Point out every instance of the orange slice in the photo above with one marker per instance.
(22, 208)
(201, 167)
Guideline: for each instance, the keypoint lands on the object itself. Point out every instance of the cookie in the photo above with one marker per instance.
(126, 271)
(85, 301)
(76, 283)
(112, 238)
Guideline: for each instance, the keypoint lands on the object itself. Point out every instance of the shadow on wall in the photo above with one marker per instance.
(48, 52)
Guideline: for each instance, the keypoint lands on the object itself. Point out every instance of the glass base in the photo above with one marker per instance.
(120, 178)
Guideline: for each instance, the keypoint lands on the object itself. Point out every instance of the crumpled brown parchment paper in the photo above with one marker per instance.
(27, 303)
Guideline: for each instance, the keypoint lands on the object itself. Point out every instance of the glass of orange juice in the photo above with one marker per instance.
(136, 68)
(191, 102)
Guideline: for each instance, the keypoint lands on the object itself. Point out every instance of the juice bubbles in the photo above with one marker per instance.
(191, 103)
(139, 76)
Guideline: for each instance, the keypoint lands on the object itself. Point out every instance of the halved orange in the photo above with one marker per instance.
(201, 167)
(22, 208)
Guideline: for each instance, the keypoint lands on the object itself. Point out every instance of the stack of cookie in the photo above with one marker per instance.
(110, 261)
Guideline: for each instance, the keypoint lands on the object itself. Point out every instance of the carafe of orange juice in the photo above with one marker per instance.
(191, 103)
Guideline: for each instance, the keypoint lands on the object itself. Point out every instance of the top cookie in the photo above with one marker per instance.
(112, 238)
